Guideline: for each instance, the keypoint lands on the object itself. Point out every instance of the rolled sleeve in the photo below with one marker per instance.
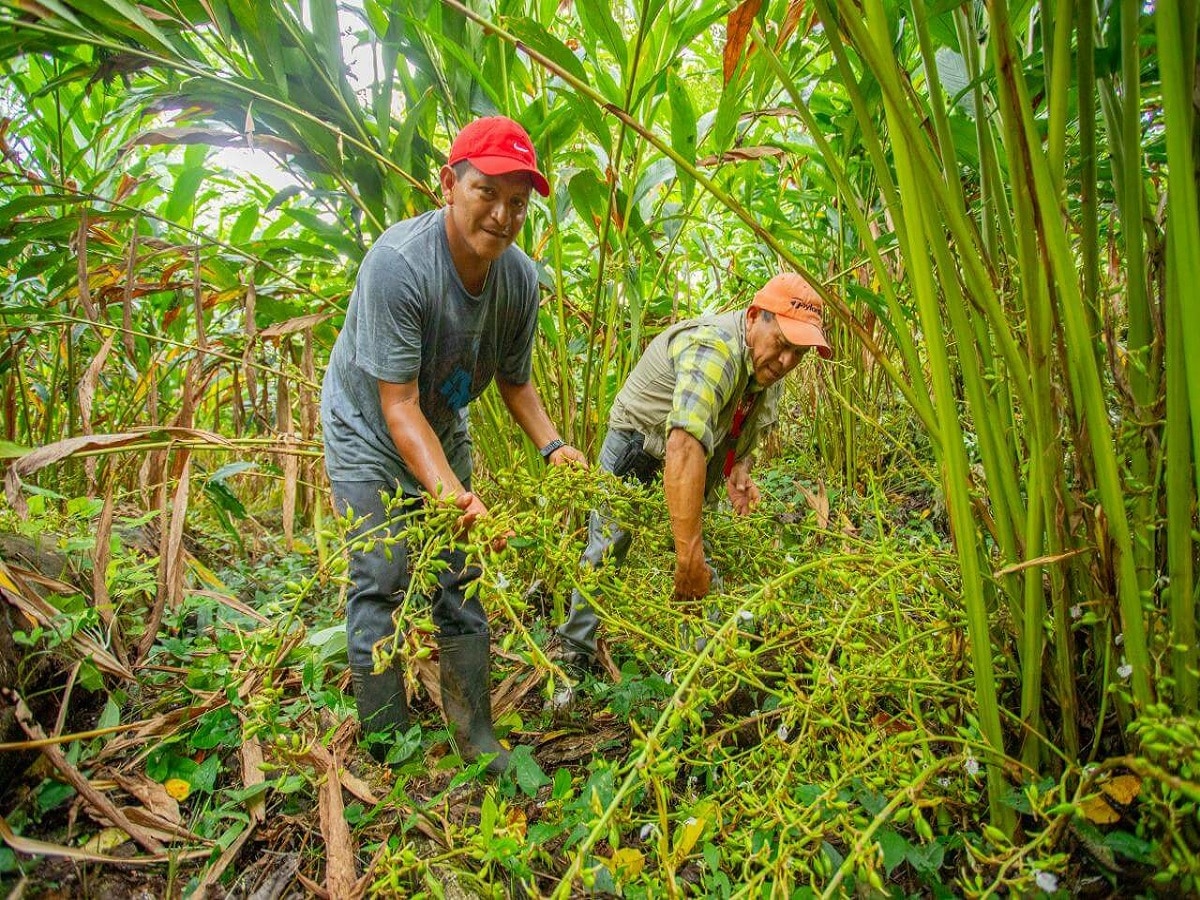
(705, 375)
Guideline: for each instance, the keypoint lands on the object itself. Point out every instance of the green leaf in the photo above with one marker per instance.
(22, 205)
(895, 849)
(526, 771)
(1129, 846)
(187, 183)
(11, 450)
(134, 15)
(243, 226)
(589, 197)
(204, 777)
(597, 19)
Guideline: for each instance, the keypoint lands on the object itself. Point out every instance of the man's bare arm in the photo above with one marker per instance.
(683, 483)
(525, 406)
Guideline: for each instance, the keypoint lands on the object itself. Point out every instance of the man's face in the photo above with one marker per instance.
(485, 211)
(773, 354)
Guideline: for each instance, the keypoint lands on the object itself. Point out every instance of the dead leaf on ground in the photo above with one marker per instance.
(1124, 788)
(1097, 811)
(152, 795)
(340, 877)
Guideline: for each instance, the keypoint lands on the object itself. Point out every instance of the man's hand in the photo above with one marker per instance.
(743, 492)
(692, 576)
(473, 509)
(566, 455)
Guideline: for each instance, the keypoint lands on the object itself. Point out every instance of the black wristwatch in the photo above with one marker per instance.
(549, 449)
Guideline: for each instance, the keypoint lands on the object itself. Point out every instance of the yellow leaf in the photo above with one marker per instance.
(106, 841)
(517, 822)
(1123, 788)
(692, 829)
(1097, 811)
(178, 788)
(627, 863)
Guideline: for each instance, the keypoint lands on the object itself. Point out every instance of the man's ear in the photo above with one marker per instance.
(752, 314)
(448, 179)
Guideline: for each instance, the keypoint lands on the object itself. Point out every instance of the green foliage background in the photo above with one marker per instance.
(999, 201)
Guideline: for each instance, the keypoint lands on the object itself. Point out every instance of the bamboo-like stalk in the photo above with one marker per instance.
(1177, 61)
(1086, 382)
(1177, 68)
(954, 466)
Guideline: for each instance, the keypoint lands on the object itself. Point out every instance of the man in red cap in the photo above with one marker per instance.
(694, 407)
(443, 304)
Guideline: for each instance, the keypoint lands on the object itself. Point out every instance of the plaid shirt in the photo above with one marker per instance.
(710, 374)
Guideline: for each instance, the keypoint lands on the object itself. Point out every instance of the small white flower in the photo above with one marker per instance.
(1047, 881)
(831, 678)
(944, 780)
(541, 500)
(648, 831)
(1119, 639)
(670, 676)
(502, 581)
(745, 615)
(879, 618)
(1077, 611)
(782, 732)
(691, 820)
(971, 765)
(1124, 670)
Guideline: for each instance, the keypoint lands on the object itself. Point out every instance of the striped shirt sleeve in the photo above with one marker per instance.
(706, 364)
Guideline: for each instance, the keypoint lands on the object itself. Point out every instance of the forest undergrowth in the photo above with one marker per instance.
(806, 731)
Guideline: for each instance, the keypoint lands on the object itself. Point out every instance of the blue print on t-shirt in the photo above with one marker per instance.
(456, 389)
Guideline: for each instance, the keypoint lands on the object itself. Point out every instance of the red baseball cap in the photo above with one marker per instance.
(496, 145)
(797, 308)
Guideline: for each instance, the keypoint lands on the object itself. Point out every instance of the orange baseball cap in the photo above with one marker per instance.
(797, 308)
(496, 145)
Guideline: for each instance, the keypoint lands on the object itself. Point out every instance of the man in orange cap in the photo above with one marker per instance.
(694, 407)
(443, 304)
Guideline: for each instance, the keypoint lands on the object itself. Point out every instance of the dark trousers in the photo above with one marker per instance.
(379, 584)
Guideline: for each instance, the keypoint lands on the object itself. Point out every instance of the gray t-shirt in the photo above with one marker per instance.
(410, 318)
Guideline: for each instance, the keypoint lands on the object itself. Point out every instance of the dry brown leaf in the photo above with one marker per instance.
(1098, 812)
(29, 603)
(739, 154)
(45, 848)
(819, 501)
(171, 561)
(340, 876)
(291, 326)
(151, 795)
(357, 787)
(212, 138)
(1124, 788)
(87, 384)
(790, 21)
(100, 556)
(252, 774)
(737, 29)
(94, 799)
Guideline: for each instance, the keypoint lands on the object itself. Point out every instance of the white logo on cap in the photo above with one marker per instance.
(521, 148)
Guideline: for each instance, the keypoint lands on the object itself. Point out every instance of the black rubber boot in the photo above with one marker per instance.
(466, 699)
(382, 707)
